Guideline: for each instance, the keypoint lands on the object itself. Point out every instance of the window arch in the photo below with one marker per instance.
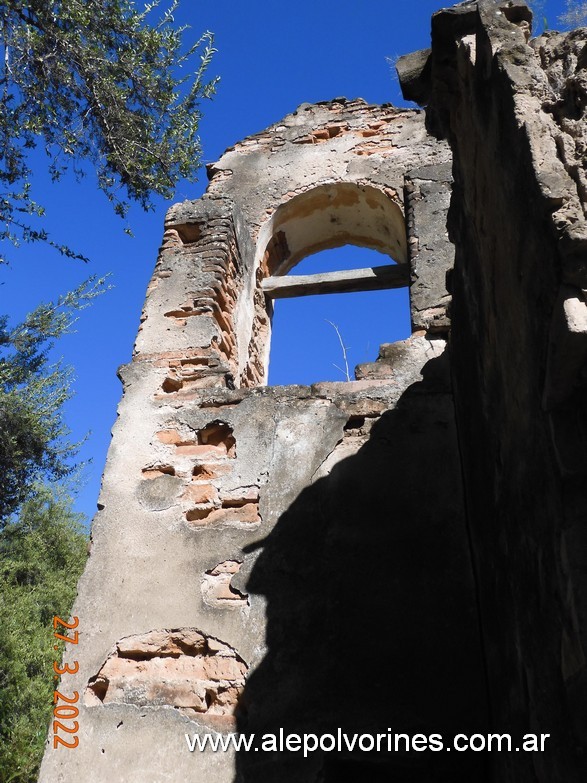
(328, 216)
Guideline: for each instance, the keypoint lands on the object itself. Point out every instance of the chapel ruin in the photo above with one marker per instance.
(406, 552)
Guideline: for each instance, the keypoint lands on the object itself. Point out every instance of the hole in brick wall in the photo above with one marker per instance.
(217, 589)
(99, 688)
(305, 347)
(154, 471)
(198, 514)
(210, 470)
(355, 423)
(171, 385)
(218, 433)
(189, 232)
(204, 472)
(234, 503)
(237, 508)
(243, 515)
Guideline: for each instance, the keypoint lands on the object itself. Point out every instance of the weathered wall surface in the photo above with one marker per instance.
(282, 558)
(513, 111)
(299, 558)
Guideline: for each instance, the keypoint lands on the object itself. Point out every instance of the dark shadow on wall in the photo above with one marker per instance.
(371, 611)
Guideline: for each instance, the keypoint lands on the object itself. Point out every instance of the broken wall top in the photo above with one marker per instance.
(542, 81)
(327, 175)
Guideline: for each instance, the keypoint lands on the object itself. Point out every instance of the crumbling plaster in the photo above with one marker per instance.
(209, 469)
(404, 549)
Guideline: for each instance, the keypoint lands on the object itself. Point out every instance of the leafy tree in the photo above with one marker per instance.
(43, 550)
(89, 82)
(42, 555)
(94, 81)
(33, 435)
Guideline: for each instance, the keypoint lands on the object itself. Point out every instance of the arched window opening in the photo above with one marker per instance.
(354, 237)
(305, 342)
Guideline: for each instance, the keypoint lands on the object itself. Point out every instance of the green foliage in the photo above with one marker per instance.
(42, 555)
(94, 81)
(33, 436)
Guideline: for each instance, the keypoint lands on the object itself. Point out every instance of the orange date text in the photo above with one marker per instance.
(65, 710)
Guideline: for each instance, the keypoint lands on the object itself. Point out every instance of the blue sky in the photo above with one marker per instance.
(271, 57)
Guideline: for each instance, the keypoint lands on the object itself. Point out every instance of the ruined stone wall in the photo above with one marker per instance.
(513, 110)
(404, 551)
(291, 557)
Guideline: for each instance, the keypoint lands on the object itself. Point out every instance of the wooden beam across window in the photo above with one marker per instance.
(344, 282)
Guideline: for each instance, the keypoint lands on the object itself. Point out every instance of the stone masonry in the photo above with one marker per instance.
(513, 111)
(401, 552)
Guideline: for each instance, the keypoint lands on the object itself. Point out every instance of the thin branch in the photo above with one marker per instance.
(344, 351)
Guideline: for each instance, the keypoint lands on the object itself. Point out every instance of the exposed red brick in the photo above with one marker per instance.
(246, 515)
(184, 669)
(171, 437)
(211, 470)
(200, 493)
